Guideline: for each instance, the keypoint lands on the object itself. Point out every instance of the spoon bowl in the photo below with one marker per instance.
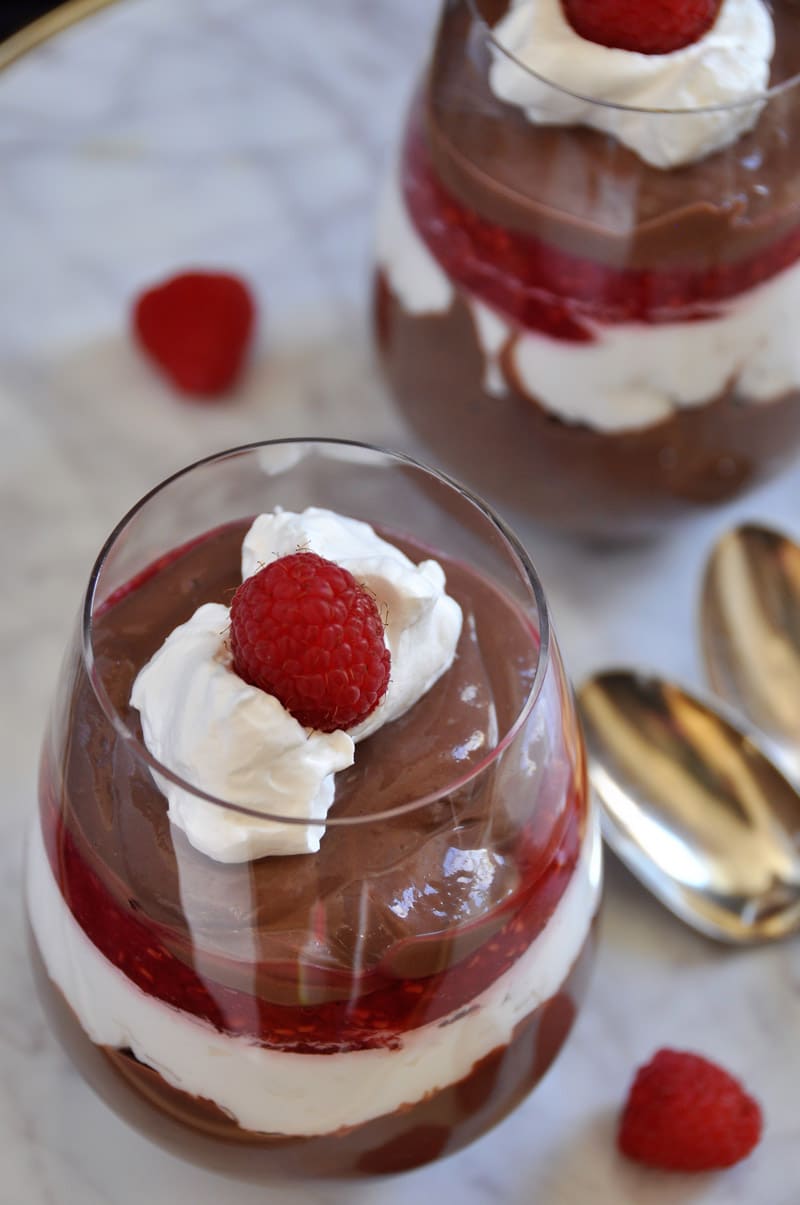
(750, 634)
(693, 807)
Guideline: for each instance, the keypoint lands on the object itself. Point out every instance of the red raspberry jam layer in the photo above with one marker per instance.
(546, 289)
(380, 1008)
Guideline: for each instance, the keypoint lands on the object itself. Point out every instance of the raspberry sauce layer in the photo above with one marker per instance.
(392, 924)
(543, 287)
(271, 1091)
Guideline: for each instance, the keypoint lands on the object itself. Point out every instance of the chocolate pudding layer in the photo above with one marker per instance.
(376, 949)
(595, 341)
(359, 895)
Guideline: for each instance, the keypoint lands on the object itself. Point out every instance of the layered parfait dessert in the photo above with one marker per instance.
(587, 258)
(313, 884)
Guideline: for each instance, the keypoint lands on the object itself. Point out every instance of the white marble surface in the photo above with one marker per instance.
(252, 135)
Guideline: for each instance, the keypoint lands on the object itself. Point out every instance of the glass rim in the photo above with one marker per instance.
(760, 97)
(514, 546)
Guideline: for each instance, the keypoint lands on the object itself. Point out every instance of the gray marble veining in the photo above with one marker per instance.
(163, 133)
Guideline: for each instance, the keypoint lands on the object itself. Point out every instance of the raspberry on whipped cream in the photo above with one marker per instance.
(658, 27)
(234, 742)
(559, 78)
(304, 630)
(422, 623)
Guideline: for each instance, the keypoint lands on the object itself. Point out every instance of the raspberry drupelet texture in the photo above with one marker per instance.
(685, 1113)
(304, 630)
(654, 27)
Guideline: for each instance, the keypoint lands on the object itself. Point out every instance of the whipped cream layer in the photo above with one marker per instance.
(416, 276)
(632, 375)
(276, 1092)
(238, 743)
(718, 80)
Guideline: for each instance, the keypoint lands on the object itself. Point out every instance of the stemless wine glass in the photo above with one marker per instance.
(369, 1007)
(598, 336)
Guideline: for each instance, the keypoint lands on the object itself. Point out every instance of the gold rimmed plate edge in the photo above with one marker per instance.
(47, 27)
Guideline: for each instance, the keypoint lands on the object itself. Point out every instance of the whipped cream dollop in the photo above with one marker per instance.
(238, 743)
(210, 727)
(728, 66)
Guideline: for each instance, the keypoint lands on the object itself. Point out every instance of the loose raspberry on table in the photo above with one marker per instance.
(646, 26)
(685, 1113)
(196, 328)
(304, 630)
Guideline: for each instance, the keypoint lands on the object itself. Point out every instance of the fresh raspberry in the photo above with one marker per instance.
(196, 328)
(648, 26)
(304, 630)
(687, 1114)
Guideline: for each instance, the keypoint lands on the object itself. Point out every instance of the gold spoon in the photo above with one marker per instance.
(750, 634)
(693, 807)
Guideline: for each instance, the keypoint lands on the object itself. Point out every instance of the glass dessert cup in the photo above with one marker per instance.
(586, 337)
(377, 1004)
